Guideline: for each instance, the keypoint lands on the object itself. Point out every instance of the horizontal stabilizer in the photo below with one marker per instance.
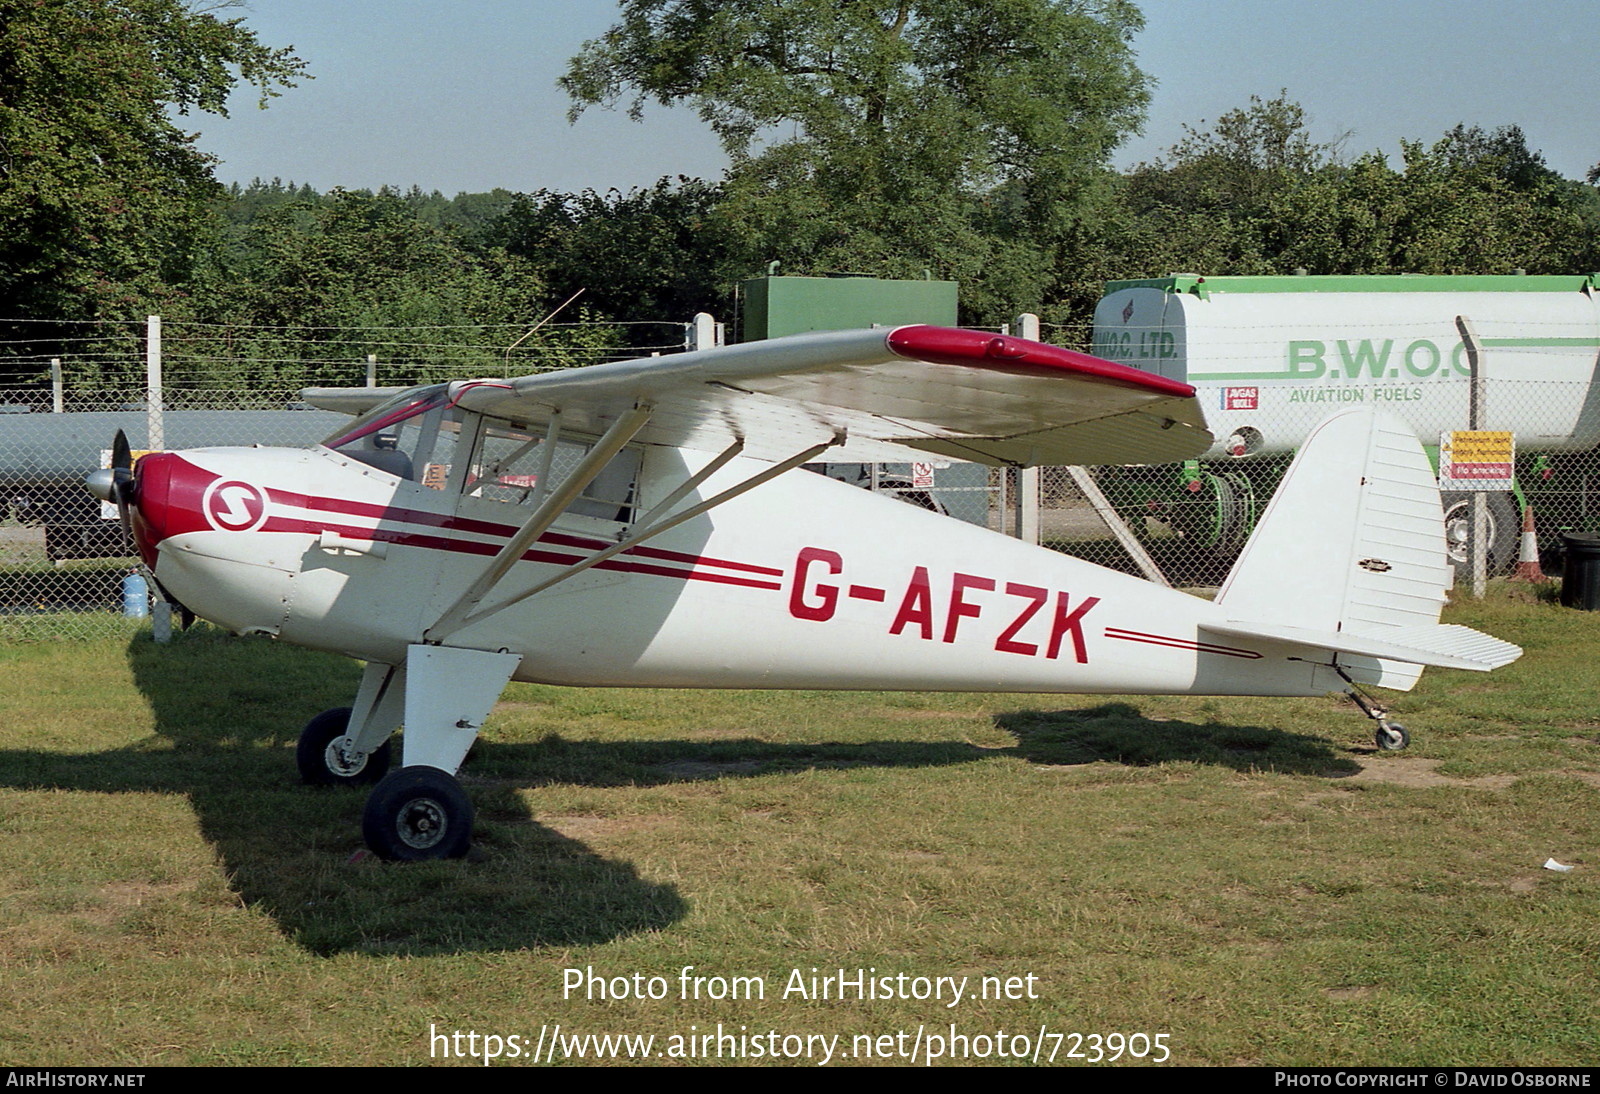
(1447, 645)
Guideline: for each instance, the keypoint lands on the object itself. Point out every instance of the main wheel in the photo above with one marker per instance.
(1504, 529)
(418, 813)
(324, 758)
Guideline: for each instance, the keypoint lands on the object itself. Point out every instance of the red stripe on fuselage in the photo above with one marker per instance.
(488, 550)
(493, 528)
(1179, 643)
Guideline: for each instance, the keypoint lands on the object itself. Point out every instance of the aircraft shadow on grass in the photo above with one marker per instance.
(227, 715)
(1118, 733)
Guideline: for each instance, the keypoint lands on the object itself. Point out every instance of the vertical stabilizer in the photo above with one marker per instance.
(1354, 537)
(1350, 557)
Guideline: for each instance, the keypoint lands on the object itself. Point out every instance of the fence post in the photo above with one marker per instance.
(1028, 497)
(155, 429)
(704, 332)
(57, 389)
(1480, 503)
(372, 370)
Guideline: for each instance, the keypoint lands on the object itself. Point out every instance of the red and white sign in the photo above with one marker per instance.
(1241, 398)
(922, 475)
(233, 506)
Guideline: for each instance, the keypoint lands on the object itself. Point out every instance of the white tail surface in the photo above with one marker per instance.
(1350, 557)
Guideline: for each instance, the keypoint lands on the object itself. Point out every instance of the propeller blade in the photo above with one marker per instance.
(116, 484)
(122, 483)
(121, 453)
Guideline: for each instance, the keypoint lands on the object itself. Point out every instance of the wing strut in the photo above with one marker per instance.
(693, 481)
(540, 520)
(441, 629)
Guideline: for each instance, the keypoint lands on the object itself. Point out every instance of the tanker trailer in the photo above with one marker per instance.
(1272, 356)
(44, 458)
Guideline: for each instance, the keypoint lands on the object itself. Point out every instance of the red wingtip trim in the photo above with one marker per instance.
(980, 349)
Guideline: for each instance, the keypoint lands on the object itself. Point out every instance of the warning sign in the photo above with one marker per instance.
(1477, 459)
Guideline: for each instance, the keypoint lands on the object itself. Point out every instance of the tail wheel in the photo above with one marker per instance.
(1392, 736)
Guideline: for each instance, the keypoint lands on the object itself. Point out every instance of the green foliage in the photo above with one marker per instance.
(311, 285)
(889, 139)
(1257, 195)
(104, 195)
(659, 253)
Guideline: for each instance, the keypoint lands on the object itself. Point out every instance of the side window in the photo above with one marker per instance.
(510, 460)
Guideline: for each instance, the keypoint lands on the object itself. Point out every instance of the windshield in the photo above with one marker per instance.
(390, 413)
(411, 436)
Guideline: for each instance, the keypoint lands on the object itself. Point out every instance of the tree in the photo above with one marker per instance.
(1256, 195)
(659, 253)
(889, 137)
(317, 283)
(103, 194)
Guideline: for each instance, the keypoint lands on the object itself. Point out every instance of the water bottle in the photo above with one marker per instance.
(135, 596)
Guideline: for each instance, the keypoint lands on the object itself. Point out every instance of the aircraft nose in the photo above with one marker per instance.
(152, 503)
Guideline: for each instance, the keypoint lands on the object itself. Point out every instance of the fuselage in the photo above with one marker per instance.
(801, 583)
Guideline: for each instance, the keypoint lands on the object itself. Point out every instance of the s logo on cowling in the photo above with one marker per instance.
(234, 506)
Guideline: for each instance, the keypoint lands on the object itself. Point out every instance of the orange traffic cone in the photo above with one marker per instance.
(1528, 554)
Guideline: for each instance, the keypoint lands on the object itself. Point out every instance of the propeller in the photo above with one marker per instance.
(122, 482)
(115, 483)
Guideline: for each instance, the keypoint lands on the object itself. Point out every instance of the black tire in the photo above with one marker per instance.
(1505, 531)
(416, 814)
(1392, 737)
(321, 764)
(1236, 509)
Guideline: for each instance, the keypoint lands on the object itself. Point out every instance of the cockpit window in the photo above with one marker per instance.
(511, 461)
(417, 436)
(388, 413)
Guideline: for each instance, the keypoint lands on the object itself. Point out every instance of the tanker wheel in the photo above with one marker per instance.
(1504, 531)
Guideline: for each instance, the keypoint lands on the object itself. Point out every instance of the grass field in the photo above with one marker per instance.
(1248, 877)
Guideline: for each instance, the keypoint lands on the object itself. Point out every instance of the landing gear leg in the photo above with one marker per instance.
(1390, 736)
(420, 811)
(350, 745)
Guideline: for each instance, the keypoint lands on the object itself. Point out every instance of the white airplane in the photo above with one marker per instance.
(642, 523)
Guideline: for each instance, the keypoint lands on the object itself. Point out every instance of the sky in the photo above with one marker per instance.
(462, 96)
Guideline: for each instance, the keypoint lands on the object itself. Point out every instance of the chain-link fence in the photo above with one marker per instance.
(65, 565)
(64, 569)
(1190, 520)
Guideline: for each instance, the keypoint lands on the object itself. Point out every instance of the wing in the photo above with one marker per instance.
(895, 395)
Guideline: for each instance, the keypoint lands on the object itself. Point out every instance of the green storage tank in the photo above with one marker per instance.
(776, 306)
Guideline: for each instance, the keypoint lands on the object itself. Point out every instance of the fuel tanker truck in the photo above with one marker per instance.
(1272, 356)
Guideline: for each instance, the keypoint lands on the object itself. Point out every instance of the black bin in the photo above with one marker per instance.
(1580, 571)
